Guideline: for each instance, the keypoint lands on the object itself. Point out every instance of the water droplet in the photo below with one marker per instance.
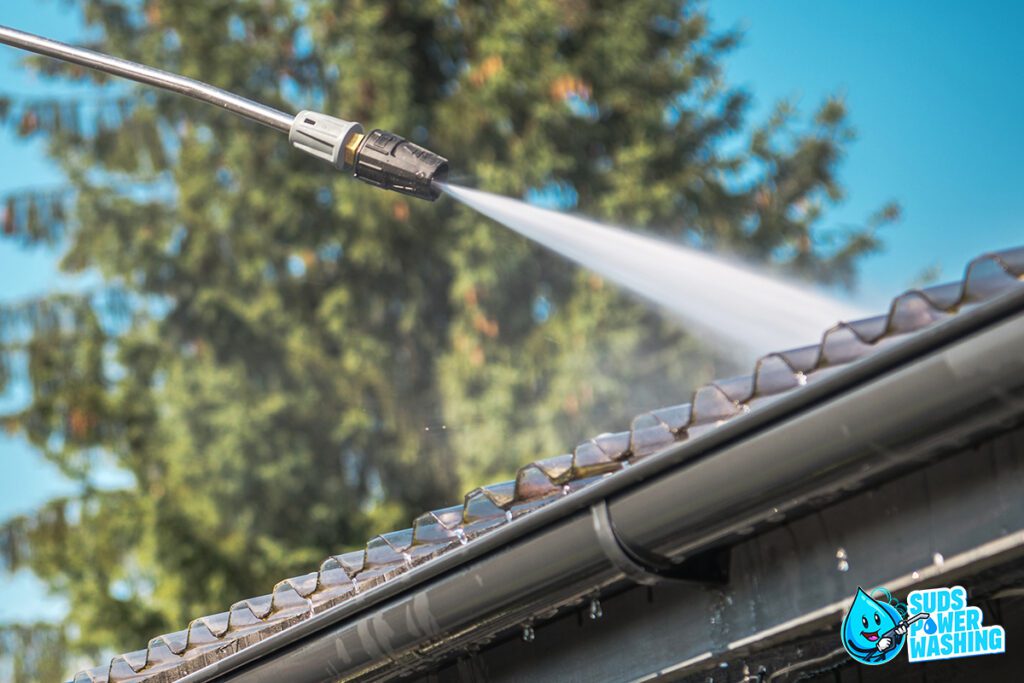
(723, 665)
(508, 515)
(596, 612)
(915, 575)
(801, 378)
(461, 536)
(528, 634)
(426, 429)
(930, 626)
(841, 560)
(938, 559)
(565, 489)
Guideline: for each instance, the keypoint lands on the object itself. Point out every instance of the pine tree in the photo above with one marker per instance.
(287, 362)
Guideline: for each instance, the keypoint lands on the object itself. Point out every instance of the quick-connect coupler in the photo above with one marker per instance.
(326, 137)
(379, 158)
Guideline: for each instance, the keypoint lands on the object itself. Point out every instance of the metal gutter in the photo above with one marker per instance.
(956, 520)
(853, 426)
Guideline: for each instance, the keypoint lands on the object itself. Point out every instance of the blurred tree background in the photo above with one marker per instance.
(287, 362)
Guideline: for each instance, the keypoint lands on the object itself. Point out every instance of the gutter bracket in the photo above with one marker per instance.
(648, 568)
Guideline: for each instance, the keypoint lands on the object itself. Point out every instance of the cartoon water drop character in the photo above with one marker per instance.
(873, 632)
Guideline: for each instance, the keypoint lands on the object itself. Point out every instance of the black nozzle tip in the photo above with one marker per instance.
(393, 163)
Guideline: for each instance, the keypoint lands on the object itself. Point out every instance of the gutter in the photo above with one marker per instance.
(880, 415)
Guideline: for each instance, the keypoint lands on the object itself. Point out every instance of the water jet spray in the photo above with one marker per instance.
(379, 158)
(751, 309)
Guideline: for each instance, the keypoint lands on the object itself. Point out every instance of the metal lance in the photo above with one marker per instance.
(379, 158)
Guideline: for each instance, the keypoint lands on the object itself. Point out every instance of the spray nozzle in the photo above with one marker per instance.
(392, 162)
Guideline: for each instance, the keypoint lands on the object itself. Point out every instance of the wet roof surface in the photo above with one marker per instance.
(340, 577)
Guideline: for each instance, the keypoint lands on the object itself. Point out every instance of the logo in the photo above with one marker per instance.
(952, 628)
(874, 631)
(933, 624)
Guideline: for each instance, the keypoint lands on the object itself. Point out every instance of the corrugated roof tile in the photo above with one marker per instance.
(842, 345)
(125, 667)
(803, 359)
(159, 654)
(774, 375)
(591, 458)
(175, 642)
(303, 586)
(558, 469)
(333, 586)
(437, 527)
(381, 553)
(532, 483)
(216, 624)
(648, 435)
(352, 562)
(737, 389)
(97, 674)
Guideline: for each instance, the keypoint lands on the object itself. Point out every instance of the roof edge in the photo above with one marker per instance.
(829, 396)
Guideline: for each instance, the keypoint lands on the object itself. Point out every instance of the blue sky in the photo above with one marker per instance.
(932, 88)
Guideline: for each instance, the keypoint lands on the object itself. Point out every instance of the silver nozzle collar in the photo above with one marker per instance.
(323, 136)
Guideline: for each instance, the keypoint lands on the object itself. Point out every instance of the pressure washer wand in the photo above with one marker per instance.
(379, 158)
(908, 622)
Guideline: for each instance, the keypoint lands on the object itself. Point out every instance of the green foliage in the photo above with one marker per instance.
(286, 361)
(33, 217)
(32, 652)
